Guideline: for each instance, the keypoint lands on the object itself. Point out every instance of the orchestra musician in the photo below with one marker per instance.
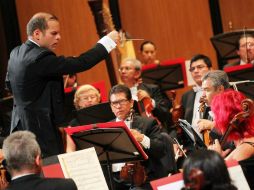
(148, 53)
(225, 106)
(245, 50)
(213, 83)
(206, 170)
(34, 75)
(145, 130)
(85, 96)
(23, 161)
(199, 65)
(130, 73)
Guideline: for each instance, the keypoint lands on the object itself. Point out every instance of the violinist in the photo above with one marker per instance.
(130, 73)
(145, 130)
(225, 106)
(199, 65)
(213, 83)
(206, 170)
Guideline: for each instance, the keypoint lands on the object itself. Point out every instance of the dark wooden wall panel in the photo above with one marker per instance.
(238, 12)
(78, 30)
(179, 28)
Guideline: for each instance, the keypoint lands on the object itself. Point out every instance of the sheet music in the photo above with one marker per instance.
(84, 168)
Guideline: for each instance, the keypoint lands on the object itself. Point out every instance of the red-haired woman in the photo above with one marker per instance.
(225, 106)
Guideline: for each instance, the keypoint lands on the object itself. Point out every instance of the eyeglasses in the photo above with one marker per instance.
(248, 45)
(86, 98)
(122, 102)
(199, 67)
(125, 68)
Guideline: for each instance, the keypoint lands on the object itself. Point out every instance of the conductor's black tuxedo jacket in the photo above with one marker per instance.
(34, 75)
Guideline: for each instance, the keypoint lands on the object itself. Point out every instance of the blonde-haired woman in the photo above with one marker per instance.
(85, 96)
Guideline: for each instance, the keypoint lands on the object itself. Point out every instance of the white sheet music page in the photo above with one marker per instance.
(84, 168)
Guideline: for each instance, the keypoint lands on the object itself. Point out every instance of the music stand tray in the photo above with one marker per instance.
(191, 134)
(168, 75)
(99, 113)
(113, 143)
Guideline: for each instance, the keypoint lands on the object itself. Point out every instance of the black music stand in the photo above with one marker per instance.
(242, 77)
(113, 143)
(226, 43)
(99, 113)
(168, 75)
(191, 134)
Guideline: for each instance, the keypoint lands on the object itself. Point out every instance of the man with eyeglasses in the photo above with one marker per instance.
(245, 50)
(145, 130)
(130, 73)
(199, 66)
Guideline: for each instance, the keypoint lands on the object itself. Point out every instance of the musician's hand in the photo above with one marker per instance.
(114, 35)
(142, 94)
(137, 135)
(204, 124)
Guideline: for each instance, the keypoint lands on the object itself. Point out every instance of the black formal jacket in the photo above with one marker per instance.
(150, 128)
(187, 102)
(34, 75)
(35, 182)
(163, 104)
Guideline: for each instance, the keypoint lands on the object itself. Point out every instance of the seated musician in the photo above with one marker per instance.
(148, 53)
(145, 130)
(206, 170)
(85, 96)
(225, 106)
(130, 72)
(245, 50)
(199, 65)
(213, 83)
(23, 161)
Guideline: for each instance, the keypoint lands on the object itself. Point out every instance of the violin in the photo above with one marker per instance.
(248, 110)
(176, 110)
(145, 108)
(201, 110)
(134, 173)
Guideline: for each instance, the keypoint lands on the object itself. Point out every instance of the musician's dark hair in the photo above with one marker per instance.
(205, 58)
(146, 42)
(213, 167)
(243, 36)
(120, 88)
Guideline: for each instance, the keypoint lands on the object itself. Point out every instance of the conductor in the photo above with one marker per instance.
(34, 76)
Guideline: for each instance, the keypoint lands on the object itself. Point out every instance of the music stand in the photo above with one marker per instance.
(98, 113)
(113, 143)
(242, 77)
(191, 134)
(168, 75)
(226, 43)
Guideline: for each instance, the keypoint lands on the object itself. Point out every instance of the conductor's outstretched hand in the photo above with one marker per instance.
(114, 35)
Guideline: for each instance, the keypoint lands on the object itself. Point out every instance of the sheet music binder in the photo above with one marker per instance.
(113, 143)
(242, 73)
(191, 134)
(112, 138)
(98, 113)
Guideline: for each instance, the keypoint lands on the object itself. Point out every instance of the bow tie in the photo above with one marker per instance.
(197, 89)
